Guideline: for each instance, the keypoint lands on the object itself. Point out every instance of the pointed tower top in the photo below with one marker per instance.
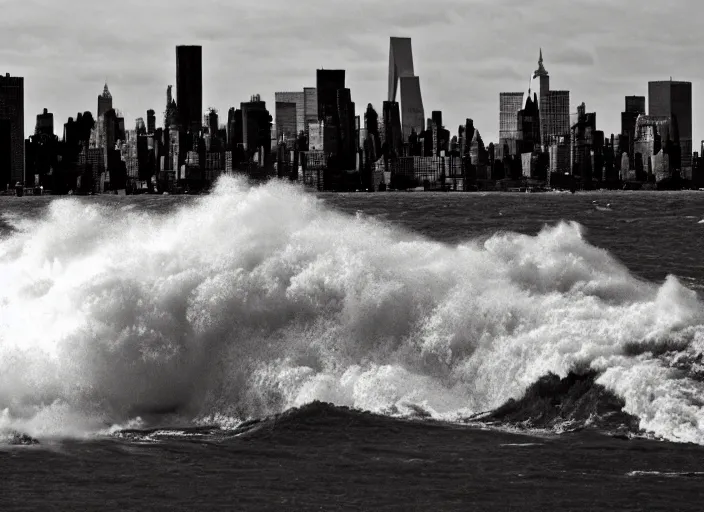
(106, 91)
(541, 71)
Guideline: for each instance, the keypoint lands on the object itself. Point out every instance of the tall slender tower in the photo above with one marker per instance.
(673, 99)
(401, 72)
(189, 86)
(554, 107)
(11, 130)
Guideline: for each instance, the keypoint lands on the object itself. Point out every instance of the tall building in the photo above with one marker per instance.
(104, 101)
(189, 86)
(635, 106)
(673, 99)
(310, 106)
(151, 121)
(256, 126)
(286, 114)
(554, 107)
(299, 101)
(328, 82)
(401, 73)
(45, 123)
(509, 105)
(12, 148)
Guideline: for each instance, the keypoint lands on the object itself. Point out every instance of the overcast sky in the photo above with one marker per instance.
(465, 51)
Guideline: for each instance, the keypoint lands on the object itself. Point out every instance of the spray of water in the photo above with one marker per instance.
(253, 300)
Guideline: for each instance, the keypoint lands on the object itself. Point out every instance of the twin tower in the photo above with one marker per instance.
(401, 73)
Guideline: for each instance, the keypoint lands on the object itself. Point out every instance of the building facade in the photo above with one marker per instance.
(673, 99)
(402, 75)
(12, 147)
(189, 86)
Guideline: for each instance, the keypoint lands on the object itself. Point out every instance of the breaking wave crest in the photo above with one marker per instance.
(253, 300)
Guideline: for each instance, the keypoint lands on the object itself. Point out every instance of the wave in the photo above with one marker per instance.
(253, 300)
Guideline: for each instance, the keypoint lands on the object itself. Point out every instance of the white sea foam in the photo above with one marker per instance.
(252, 300)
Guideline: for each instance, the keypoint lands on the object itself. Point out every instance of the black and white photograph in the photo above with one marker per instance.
(351, 255)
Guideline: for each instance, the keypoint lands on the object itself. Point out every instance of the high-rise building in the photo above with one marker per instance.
(151, 121)
(45, 123)
(554, 107)
(256, 126)
(286, 121)
(509, 105)
(401, 73)
(104, 101)
(635, 106)
(12, 148)
(310, 106)
(328, 82)
(299, 101)
(189, 86)
(673, 99)
(393, 134)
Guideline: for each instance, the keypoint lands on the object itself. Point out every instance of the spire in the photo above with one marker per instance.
(541, 71)
(106, 92)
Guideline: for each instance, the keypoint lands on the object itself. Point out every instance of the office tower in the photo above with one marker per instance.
(528, 127)
(151, 121)
(401, 73)
(104, 101)
(635, 106)
(328, 82)
(310, 110)
(189, 86)
(582, 135)
(509, 105)
(299, 100)
(45, 123)
(286, 121)
(393, 132)
(554, 107)
(171, 112)
(347, 140)
(673, 99)
(12, 149)
(256, 126)
(139, 126)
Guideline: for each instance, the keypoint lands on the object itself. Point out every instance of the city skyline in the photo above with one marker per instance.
(464, 53)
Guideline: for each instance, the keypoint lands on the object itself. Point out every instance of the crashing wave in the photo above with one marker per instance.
(253, 300)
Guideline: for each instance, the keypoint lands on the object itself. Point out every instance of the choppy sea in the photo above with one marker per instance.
(266, 348)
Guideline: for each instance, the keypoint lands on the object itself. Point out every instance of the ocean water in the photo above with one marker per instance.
(122, 314)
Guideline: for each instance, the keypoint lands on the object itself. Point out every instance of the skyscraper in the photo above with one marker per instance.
(328, 82)
(104, 101)
(298, 100)
(189, 86)
(45, 123)
(674, 100)
(510, 103)
(12, 156)
(635, 106)
(401, 72)
(554, 107)
(286, 114)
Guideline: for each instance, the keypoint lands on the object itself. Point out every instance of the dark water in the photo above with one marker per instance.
(327, 458)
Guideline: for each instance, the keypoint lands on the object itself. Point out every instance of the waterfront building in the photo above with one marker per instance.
(510, 103)
(673, 99)
(328, 82)
(256, 127)
(189, 86)
(554, 107)
(635, 106)
(12, 146)
(286, 120)
(402, 75)
(298, 99)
